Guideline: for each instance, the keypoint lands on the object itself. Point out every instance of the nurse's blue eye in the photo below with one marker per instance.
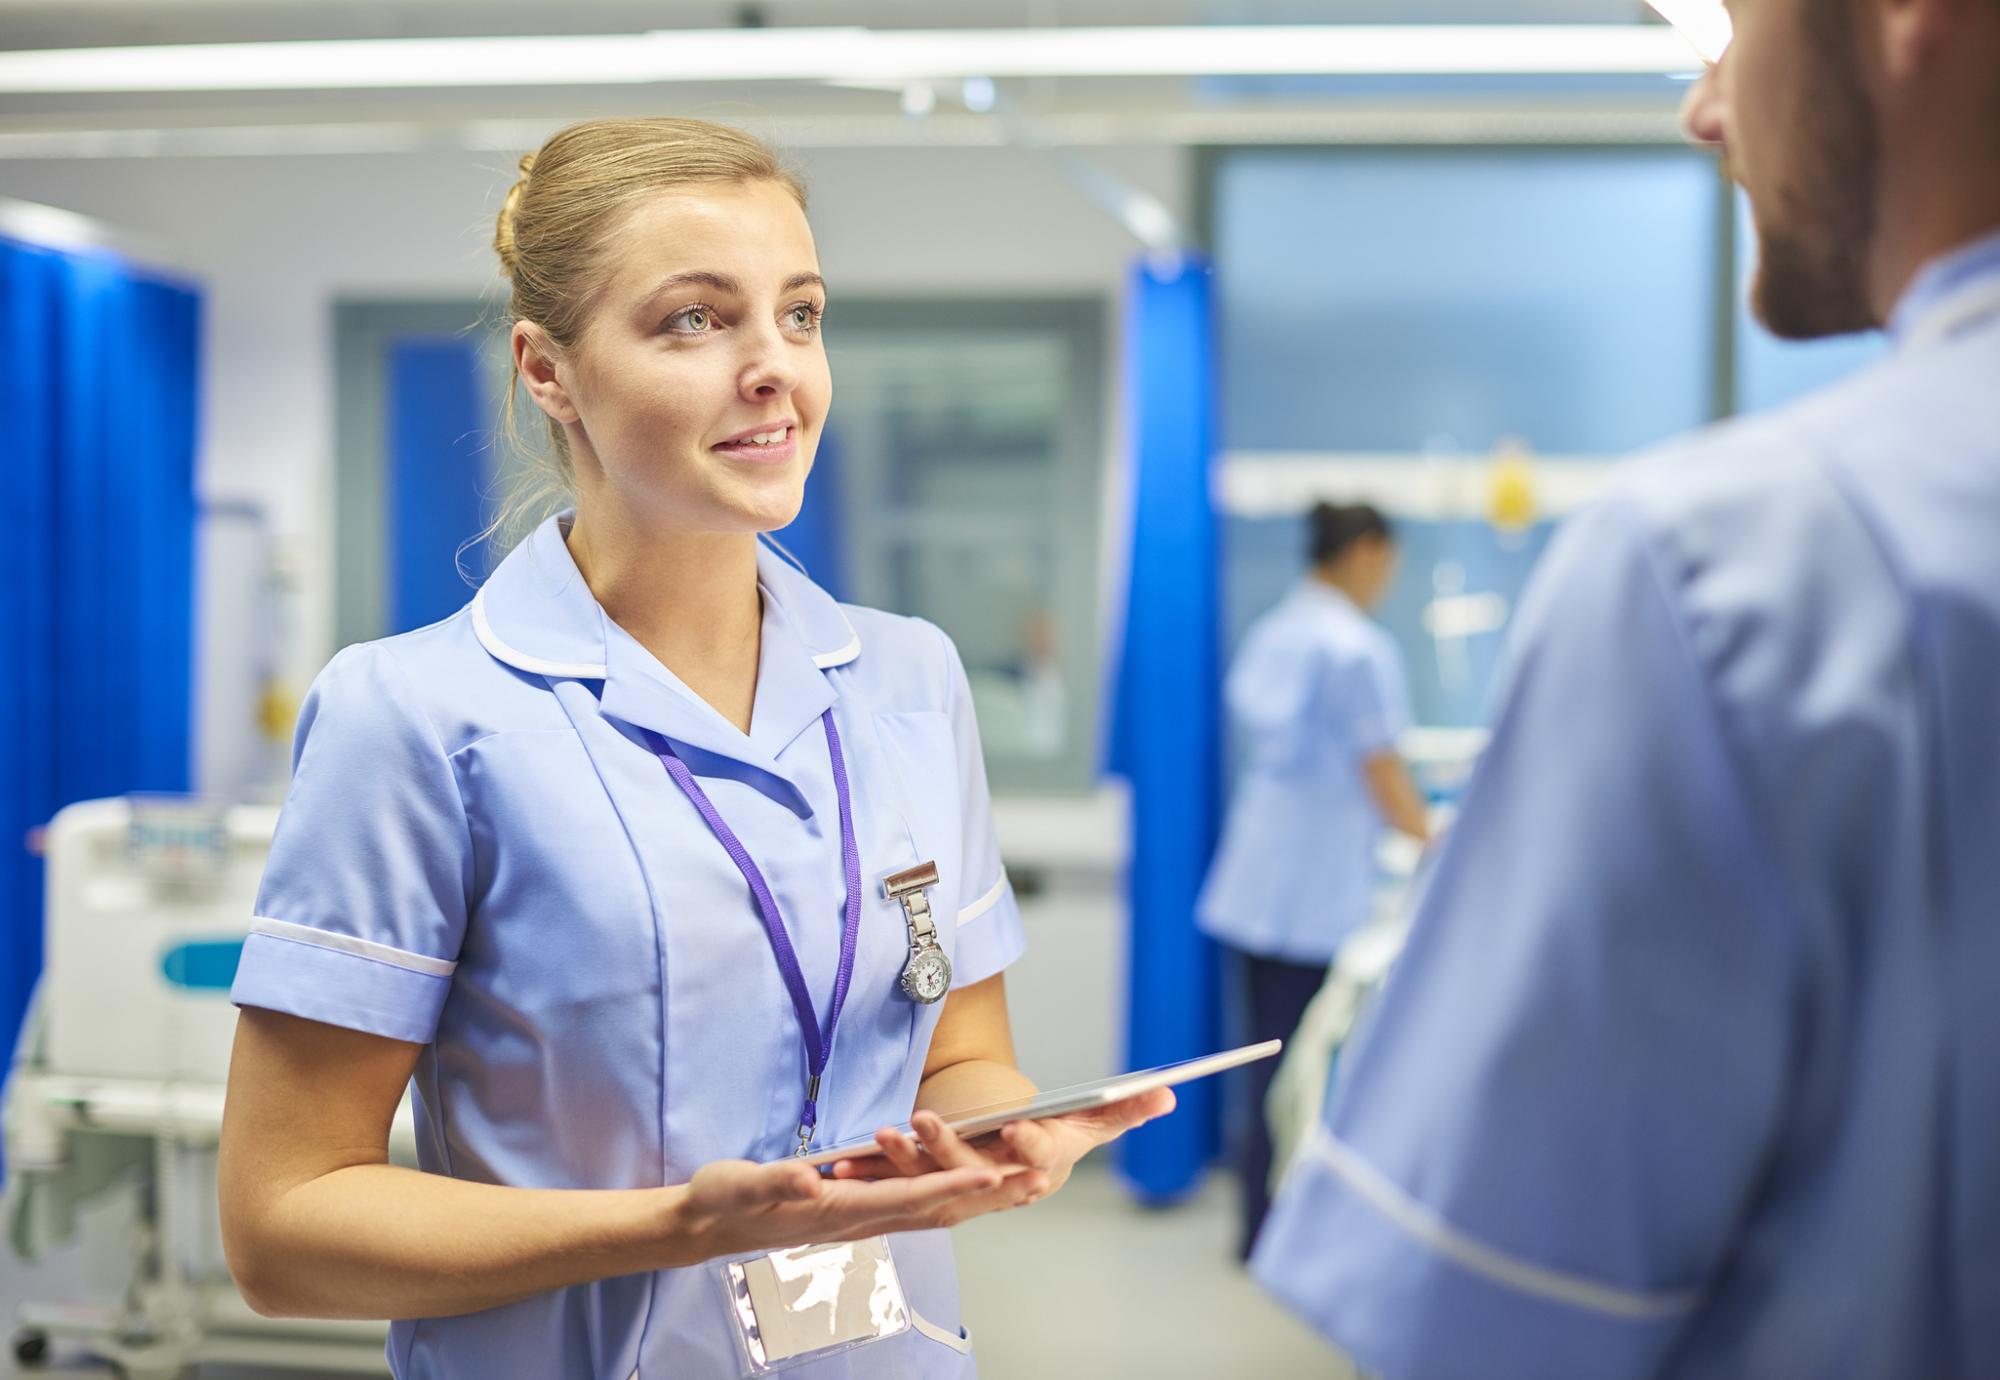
(804, 317)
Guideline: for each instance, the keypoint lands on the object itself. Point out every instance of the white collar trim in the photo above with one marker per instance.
(846, 654)
(534, 665)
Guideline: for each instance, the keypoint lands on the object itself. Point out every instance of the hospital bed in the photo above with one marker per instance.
(117, 1088)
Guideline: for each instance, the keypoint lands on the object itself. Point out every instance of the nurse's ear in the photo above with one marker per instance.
(541, 365)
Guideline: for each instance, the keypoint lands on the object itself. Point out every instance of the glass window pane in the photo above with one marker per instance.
(1393, 300)
(967, 438)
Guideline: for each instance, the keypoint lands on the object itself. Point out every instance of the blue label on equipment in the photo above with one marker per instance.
(202, 966)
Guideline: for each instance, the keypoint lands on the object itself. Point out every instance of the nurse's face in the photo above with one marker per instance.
(1790, 107)
(1374, 570)
(700, 384)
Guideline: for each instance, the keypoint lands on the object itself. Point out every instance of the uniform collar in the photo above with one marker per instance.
(536, 614)
(1319, 593)
(1953, 284)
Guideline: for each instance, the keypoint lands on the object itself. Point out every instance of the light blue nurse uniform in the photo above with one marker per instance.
(1692, 1067)
(481, 854)
(1316, 690)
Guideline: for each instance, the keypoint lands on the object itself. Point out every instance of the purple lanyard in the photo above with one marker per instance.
(818, 1047)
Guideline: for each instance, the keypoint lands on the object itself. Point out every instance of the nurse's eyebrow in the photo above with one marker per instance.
(723, 283)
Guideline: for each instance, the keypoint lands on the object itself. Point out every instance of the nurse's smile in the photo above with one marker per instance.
(765, 445)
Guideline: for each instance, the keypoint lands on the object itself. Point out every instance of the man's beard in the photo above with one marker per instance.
(1815, 241)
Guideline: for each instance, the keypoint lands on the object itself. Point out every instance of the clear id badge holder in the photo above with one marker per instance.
(811, 1302)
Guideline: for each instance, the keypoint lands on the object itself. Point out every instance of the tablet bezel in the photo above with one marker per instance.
(1079, 1097)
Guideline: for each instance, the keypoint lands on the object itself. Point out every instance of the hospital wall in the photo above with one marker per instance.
(276, 241)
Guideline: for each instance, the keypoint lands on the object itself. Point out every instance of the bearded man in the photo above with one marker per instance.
(1691, 1067)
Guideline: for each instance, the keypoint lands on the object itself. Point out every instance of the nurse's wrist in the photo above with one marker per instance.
(685, 1237)
(694, 1225)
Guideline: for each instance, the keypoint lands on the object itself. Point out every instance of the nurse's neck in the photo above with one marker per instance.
(688, 597)
(1345, 577)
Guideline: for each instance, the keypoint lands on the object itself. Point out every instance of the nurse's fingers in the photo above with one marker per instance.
(925, 1202)
(943, 1144)
(862, 1167)
(862, 1208)
(1031, 1143)
(1024, 1188)
(1114, 1119)
(903, 1154)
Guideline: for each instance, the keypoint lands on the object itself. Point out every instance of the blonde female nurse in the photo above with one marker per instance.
(598, 868)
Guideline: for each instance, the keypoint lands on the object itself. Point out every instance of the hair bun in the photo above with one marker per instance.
(503, 230)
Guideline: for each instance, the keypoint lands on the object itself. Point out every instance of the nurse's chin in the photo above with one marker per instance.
(754, 513)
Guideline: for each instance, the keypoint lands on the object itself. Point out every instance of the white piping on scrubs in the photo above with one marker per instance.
(1425, 1225)
(347, 943)
(984, 903)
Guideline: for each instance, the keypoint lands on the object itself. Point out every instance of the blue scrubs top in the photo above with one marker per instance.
(1316, 690)
(1691, 1066)
(480, 854)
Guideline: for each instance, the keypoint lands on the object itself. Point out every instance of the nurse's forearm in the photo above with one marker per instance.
(971, 1083)
(382, 1241)
(1396, 795)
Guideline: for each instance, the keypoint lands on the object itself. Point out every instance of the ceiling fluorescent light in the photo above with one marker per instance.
(1704, 23)
(855, 55)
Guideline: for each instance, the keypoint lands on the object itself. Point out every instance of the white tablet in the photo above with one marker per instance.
(979, 1121)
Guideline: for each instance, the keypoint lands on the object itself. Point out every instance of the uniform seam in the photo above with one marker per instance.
(653, 903)
(1776, 884)
(1432, 1230)
(450, 760)
(1731, 753)
(491, 734)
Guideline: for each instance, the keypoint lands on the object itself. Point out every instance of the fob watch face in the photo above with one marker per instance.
(928, 977)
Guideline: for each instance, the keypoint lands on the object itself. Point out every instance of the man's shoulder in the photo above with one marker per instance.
(1764, 493)
(1776, 567)
(1903, 411)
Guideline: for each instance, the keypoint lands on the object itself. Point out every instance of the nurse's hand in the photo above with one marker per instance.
(733, 1206)
(1043, 1151)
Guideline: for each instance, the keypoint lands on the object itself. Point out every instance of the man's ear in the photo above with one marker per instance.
(1912, 35)
(540, 365)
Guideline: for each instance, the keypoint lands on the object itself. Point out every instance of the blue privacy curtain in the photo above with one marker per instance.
(1166, 728)
(814, 536)
(437, 478)
(97, 431)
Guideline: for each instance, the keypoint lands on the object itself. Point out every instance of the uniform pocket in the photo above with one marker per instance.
(922, 757)
(930, 1287)
(958, 1341)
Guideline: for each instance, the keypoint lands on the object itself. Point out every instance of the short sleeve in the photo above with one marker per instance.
(1372, 703)
(1547, 1135)
(990, 933)
(363, 902)
(1271, 689)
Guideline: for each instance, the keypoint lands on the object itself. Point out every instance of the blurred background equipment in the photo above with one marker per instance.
(116, 1091)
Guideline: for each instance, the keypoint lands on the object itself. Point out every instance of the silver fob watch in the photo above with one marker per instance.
(927, 976)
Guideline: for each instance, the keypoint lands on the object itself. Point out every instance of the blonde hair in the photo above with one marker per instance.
(553, 238)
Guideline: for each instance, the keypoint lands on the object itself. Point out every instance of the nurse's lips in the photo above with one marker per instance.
(766, 445)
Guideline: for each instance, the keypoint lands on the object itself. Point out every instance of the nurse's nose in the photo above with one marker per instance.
(769, 372)
(1703, 108)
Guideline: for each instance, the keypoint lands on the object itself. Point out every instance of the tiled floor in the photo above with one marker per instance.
(1085, 1285)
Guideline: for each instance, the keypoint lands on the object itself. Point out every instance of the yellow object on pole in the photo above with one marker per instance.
(1512, 504)
(277, 711)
